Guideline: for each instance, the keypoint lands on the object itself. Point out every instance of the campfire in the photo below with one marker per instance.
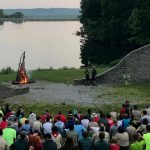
(22, 77)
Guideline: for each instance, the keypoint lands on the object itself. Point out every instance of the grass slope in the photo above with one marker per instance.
(137, 93)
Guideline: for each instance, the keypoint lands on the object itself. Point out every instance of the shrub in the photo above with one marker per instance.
(7, 70)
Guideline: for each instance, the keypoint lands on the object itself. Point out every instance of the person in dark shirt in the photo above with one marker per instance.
(94, 74)
(86, 143)
(101, 144)
(22, 142)
(87, 77)
(49, 144)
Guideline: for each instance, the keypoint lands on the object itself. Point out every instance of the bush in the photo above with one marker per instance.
(7, 70)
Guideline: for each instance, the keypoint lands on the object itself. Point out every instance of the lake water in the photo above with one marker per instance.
(47, 44)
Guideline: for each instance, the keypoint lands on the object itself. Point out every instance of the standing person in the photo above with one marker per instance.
(87, 77)
(3, 143)
(49, 144)
(146, 137)
(101, 144)
(47, 126)
(122, 138)
(86, 143)
(22, 142)
(9, 135)
(94, 74)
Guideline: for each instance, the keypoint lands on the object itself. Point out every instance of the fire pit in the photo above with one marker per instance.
(22, 77)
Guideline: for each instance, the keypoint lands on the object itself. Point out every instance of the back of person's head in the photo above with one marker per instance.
(59, 113)
(102, 115)
(123, 105)
(101, 135)
(48, 136)
(4, 118)
(1, 115)
(145, 121)
(85, 117)
(47, 119)
(135, 107)
(26, 121)
(15, 119)
(58, 118)
(9, 124)
(22, 115)
(144, 112)
(108, 116)
(71, 127)
(36, 131)
(85, 134)
(89, 111)
(1, 132)
(68, 143)
(148, 128)
(102, 128)
(114, 140)
(115, 121)
(37, 118)
(121, 129)
(70, 112)
(130, 123)
(126, 116)
(19, 125)
(54, 128)
(71, 118)
(23, 134)
(76, 122)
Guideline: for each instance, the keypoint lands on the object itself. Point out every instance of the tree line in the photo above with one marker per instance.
(112, 28)
(14, 15)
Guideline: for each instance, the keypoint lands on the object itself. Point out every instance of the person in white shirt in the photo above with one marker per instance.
(37, 125)
(85, 122)
(145, 116)
(47, 126)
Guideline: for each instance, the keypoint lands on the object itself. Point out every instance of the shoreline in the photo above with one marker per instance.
(20, 20)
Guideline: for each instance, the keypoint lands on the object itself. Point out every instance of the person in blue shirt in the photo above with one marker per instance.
(79, 129)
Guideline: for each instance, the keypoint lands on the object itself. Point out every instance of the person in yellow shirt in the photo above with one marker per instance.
(146, 137)
(9, 134)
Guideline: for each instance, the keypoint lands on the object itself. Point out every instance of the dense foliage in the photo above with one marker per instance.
(112, 28)
(15, 15)
(1, 13)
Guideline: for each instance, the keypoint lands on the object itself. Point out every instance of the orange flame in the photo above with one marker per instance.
(23, 77)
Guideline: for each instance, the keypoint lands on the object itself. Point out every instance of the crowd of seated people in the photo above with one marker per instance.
(128, 129)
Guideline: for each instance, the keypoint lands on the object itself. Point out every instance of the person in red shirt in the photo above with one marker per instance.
(3, 123)
(62, 117)
(122, 110)
(114, 145)
(109, 120)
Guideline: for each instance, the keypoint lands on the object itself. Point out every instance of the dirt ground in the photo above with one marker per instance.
(46, 92)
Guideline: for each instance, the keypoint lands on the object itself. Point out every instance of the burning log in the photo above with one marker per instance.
(22, 77)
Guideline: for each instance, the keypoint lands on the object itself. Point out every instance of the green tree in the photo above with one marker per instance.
(105, 30)
(17, 15)
(1, 13)
(140, 23)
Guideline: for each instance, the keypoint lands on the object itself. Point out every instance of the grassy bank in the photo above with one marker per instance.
(64, 75)
(106, 96)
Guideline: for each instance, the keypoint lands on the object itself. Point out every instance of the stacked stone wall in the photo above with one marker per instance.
(135, 67)
(9, 91)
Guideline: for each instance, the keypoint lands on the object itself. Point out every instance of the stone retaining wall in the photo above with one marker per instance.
(7, 91)
(135, 67)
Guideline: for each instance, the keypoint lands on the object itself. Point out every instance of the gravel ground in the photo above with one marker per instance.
(46, 92)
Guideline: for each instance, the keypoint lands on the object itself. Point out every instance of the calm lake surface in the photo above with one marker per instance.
(49, 43)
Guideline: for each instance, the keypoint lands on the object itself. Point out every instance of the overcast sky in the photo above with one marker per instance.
(39, 3)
